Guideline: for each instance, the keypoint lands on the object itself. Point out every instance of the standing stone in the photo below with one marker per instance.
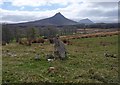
(60, 51)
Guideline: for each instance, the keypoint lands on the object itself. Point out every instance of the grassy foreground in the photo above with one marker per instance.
(86, 62)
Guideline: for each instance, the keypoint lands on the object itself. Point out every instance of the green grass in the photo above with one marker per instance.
(86, 62)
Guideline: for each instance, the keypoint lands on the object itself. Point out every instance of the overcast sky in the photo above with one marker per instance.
(16, 11)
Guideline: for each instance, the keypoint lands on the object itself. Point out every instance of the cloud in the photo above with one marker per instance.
(37, 2)
(36, 9)
(22, 8)
(1, 2)
(19, 16)
(96, 11)
(49, 2)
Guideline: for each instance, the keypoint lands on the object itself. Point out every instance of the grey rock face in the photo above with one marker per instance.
(60, 51)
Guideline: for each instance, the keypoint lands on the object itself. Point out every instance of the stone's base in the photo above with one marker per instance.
(56, 54)
(49, 56)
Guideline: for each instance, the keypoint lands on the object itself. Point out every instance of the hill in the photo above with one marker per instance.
(57, 19)
(86, 21)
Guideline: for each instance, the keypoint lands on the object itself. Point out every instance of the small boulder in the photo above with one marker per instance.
(49, 60)
(37, 57)
(51, 70)
(49, 57)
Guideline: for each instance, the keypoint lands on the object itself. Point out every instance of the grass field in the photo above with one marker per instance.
(86, 62)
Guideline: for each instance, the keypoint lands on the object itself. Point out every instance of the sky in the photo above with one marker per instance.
(17, 11)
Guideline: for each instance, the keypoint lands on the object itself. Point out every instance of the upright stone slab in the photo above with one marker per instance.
(60, 51)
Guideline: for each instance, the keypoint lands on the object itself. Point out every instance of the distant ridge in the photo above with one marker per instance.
(86, 21)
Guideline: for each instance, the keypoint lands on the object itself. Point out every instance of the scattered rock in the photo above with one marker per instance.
(49, 56)
(9, 54)
(110, 55)
(50, 60)
(37, 57)
(51, 70)
(14, 55)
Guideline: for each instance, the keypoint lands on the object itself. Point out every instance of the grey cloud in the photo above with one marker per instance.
(107, 19)
(101, 9)
(103, 4)
(90, 12)
(17, 18)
